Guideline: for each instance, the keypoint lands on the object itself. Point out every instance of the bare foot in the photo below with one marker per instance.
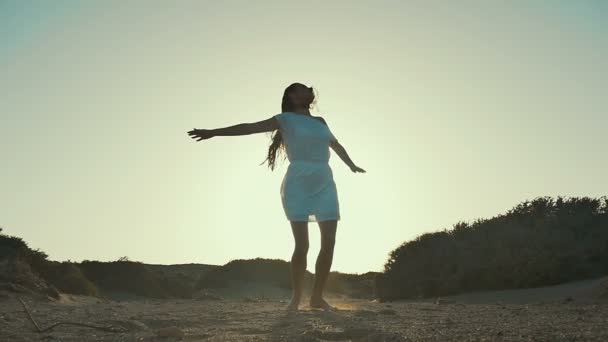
(293, 304)
(320, 303)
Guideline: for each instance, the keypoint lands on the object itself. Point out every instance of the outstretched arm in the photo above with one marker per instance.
(341, 151)
(267, 125)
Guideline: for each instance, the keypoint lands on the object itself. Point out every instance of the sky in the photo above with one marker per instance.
(457, 110)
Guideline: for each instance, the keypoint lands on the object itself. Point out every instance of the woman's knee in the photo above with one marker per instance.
(300, 234)
(328, 234)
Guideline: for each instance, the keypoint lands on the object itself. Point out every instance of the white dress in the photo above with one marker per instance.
(308, 191)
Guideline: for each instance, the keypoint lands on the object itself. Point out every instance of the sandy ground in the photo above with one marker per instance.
(489, 316)
(231, 320)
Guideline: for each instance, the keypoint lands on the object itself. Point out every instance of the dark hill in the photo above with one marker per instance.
(27, 270)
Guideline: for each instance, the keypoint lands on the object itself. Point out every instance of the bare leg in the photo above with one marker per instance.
(323, 264)
(298, 261)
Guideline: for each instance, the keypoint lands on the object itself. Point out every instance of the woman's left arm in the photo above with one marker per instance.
(341, 151)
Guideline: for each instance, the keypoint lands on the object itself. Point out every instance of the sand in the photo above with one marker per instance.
(231, 320)
(569, 315)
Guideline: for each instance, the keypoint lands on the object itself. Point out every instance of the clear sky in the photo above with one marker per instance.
(457, 110)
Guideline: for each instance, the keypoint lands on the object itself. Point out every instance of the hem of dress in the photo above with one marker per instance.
(313, 218)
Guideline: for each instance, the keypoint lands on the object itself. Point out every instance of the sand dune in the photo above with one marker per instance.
(575, 311)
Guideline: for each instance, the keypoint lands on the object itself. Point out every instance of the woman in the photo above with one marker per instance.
(308, 191)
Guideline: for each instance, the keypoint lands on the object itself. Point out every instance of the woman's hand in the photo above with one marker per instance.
(355, 169)
(201, 134)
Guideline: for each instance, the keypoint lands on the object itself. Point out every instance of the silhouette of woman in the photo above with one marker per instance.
(308, 191)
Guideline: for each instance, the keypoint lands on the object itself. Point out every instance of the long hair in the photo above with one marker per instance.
(276, 144)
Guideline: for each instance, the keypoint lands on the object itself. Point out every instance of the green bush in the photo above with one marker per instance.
(12, 246)
(237, 272)
(541, 242)
(277, 272)
(68, 278)
(125, 276)
(353, 285)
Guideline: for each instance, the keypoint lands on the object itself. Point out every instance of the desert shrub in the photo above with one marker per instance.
(31, 268)
(17, 272)
(541, 242)
(12, 246)
(277, 272)
(180, 280)
(240, 271)
(20, 265)
(178, 285)
(125, 276)
(335, 283)
(68, 278)
(353, 285)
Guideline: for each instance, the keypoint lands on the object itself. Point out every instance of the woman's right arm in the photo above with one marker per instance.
(267, 125)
